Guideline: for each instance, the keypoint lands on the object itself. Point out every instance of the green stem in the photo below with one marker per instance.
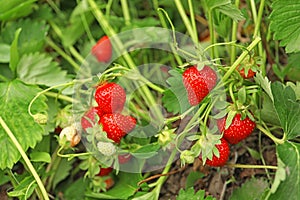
(76, 55)
(241, 58)
(63, 54)
(270, 135)
(193, 21)
(233, 36)
(164, 25)
(252, 166)
(26, 159)
(186, 21)
(125, 10)
(44, 91)
(211, 33)
(60, 96)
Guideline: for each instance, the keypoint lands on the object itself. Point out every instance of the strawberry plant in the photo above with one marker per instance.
(122, 99)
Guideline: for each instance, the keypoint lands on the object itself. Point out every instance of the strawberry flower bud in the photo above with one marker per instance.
(40, 118)
(106, 148)
(187, 157)
(165, 137)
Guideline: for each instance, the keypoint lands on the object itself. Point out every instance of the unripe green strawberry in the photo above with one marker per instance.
(106, 148)
(117, 125)
(238, 129)
(224, 152)
(110, 97)
(70, 134)
(198, 83)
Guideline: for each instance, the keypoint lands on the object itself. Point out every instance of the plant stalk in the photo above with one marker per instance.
(26, 159)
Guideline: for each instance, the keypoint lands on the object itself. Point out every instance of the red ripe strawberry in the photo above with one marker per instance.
(224, 152)
(238, 129)
(110, 97)
(105, 171)
(117, 125)
(109, 183)
(250, 74)
(198, 83)
(102, 50)
(90, 115)
(124, 158)
(209, 76)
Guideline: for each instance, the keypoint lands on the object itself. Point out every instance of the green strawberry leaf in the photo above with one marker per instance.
(175, 98)
(14, 53)
(80, 17)
(192, 178)
(24, 189)
(40, 157)
(29, 41)
(287, 108)
(288, 153)
(296, 88)
(63, 170)
(4, 53)
(15, 8)
(226, 8)
(252, 189)
(75, 190)
(15, 97)
(191, 195)
(264, 83)
(40, 69)
(125, 187)
(268, 112)
(285, 23)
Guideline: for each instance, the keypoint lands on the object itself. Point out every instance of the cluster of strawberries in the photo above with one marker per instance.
(110, 98)
(198, 84)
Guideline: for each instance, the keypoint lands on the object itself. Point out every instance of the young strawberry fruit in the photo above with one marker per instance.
(195, 85)
(117, 125)
(106, 148)
(110, 97)
(249, 75)
(224, 152)
(102, 50)
(238, 129)
(105, 171)
(109, 183)
(88, 118)
(70, 134)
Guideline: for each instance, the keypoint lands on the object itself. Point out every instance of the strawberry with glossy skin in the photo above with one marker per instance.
(195, 85)
(117, 125)
(198, 83)
(209, 76)
(105, 171)
(250, 74)
(88, 118)
(238, 129)
(110, 97)
(224, 152)
(102, 50)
